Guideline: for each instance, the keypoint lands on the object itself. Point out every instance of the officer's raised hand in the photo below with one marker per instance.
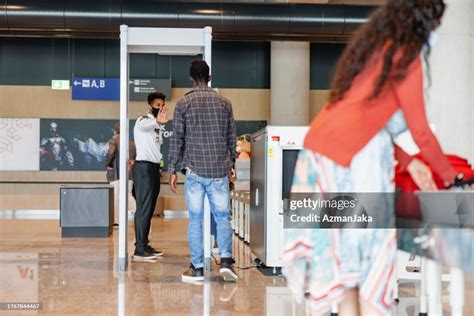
(162, 118)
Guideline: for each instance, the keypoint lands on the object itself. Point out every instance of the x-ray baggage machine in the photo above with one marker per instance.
(274, 153)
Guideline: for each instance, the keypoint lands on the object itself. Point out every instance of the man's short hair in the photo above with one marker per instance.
(199, 70)
(117, 128)
(156, 95)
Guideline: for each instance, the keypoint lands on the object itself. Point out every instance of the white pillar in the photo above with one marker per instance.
(456, 292)
(451, 104)
(207, 208)
(207, 56)
(433, 288)
(290, 90)
(123, 186)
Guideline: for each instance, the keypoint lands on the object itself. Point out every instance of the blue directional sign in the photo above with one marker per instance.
(105, 89)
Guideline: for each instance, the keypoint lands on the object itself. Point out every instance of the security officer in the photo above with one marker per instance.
(146, 173)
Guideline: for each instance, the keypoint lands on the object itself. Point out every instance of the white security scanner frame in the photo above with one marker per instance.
(162, 41)
(267, 173)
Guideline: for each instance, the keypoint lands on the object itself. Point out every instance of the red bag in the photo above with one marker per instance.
(408, 205)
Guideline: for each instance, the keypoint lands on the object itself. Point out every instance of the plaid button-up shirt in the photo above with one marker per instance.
(203, 134)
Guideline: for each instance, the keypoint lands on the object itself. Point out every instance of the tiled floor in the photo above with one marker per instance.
(78, 276)
(72, 276)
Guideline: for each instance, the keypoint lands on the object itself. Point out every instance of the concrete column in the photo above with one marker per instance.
(290, 91)
(451, 104)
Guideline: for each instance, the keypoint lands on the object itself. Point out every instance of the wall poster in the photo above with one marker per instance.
(19, 144)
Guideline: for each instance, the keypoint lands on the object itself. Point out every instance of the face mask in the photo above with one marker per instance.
(155, 112)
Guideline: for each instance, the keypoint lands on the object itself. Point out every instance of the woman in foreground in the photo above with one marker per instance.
(376, 94)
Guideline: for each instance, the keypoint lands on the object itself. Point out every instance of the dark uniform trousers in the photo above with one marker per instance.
(146, 178)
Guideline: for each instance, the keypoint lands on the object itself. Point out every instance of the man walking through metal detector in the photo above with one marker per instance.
(203, 143)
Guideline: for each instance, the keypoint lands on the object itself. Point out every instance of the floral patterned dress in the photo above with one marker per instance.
(320, 264)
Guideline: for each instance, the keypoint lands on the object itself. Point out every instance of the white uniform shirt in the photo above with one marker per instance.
(148, 139)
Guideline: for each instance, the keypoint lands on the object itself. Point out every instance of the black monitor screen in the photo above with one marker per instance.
(289, 162)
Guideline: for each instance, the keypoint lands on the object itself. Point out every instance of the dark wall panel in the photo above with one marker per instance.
(241, 64)
(323, 62)
(112, 58)
(1, 60)
(163, 67)
(88, 58)
(27, 61)
(263, 59)
(61, 63)
(142, 66)
(236, 64)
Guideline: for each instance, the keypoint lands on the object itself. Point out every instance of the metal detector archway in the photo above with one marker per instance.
(163, 41)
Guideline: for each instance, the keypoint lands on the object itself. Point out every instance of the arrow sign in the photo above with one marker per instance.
(103, 89)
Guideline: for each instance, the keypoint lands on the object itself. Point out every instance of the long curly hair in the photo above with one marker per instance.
(399, 24)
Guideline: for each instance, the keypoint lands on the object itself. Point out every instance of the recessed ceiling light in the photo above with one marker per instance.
(13, 7)
(208, 11)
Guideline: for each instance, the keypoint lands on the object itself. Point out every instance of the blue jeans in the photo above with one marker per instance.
(218, 193)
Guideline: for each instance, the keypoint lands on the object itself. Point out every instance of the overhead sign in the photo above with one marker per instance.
(104, 89)
(60, 84)
(140, 88)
